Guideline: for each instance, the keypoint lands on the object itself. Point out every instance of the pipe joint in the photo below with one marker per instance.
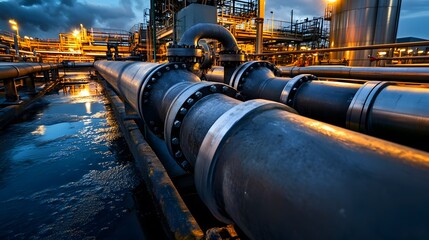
(232, 58)
(178, 110)
(184, 53)
(362, 102)
(242, 72)
(145, 103)
(289, 91)
(216, 137)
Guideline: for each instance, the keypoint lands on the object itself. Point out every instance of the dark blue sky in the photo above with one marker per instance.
(47, 18)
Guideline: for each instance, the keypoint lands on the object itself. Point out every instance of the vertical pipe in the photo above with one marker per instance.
(260, 26)
(15, 42)
(152, 20)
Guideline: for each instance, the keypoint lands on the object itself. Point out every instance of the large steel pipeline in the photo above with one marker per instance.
(138, 84)
(14, 70)
(276, 174)
(399, 74)
(404, 110)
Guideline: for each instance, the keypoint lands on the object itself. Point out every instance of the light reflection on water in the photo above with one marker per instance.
(64, 173)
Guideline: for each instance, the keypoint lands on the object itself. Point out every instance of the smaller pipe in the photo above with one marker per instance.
(340, 49)
(367, 73)
(260, 26)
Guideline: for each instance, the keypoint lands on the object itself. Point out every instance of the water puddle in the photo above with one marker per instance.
(65, 171)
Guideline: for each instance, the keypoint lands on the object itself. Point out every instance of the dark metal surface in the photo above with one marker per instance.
(399, 113)
(325, 101)
(315, 181)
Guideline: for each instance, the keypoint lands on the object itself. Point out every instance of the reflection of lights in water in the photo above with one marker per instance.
(84, 93)
(40, 130)
(88, 107)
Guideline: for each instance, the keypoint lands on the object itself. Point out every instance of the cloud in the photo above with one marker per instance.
(46, 19)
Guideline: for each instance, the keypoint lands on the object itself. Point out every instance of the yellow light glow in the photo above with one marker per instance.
(13, 22)
(382, 53)
(410, 50)
(331, 1)
(76, 33)
(420, 51)
(14, 27)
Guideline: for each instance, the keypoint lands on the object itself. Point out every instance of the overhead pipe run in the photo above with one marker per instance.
(322, 181)
(366, 73)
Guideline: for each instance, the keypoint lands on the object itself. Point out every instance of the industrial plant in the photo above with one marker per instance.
(239, 126)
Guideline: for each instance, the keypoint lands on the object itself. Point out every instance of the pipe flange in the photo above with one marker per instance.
(208, 154)
(146, 112)
(289, 91)
(358, 111)
(228, 57)
(184, 53)
(178, 110)
(239, 76)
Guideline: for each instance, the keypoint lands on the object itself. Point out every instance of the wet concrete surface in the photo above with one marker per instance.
(66, 173)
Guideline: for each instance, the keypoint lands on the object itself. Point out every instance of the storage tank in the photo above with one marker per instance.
(363, 22)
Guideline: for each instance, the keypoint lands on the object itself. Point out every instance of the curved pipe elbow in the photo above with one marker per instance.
(209, 30)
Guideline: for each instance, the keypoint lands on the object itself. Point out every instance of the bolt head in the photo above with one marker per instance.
(183, 111)
(175, 141)
(178, 154)
(224, 88)
(213, 88)
(190, 101)
(177, 124)
(199, 94)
